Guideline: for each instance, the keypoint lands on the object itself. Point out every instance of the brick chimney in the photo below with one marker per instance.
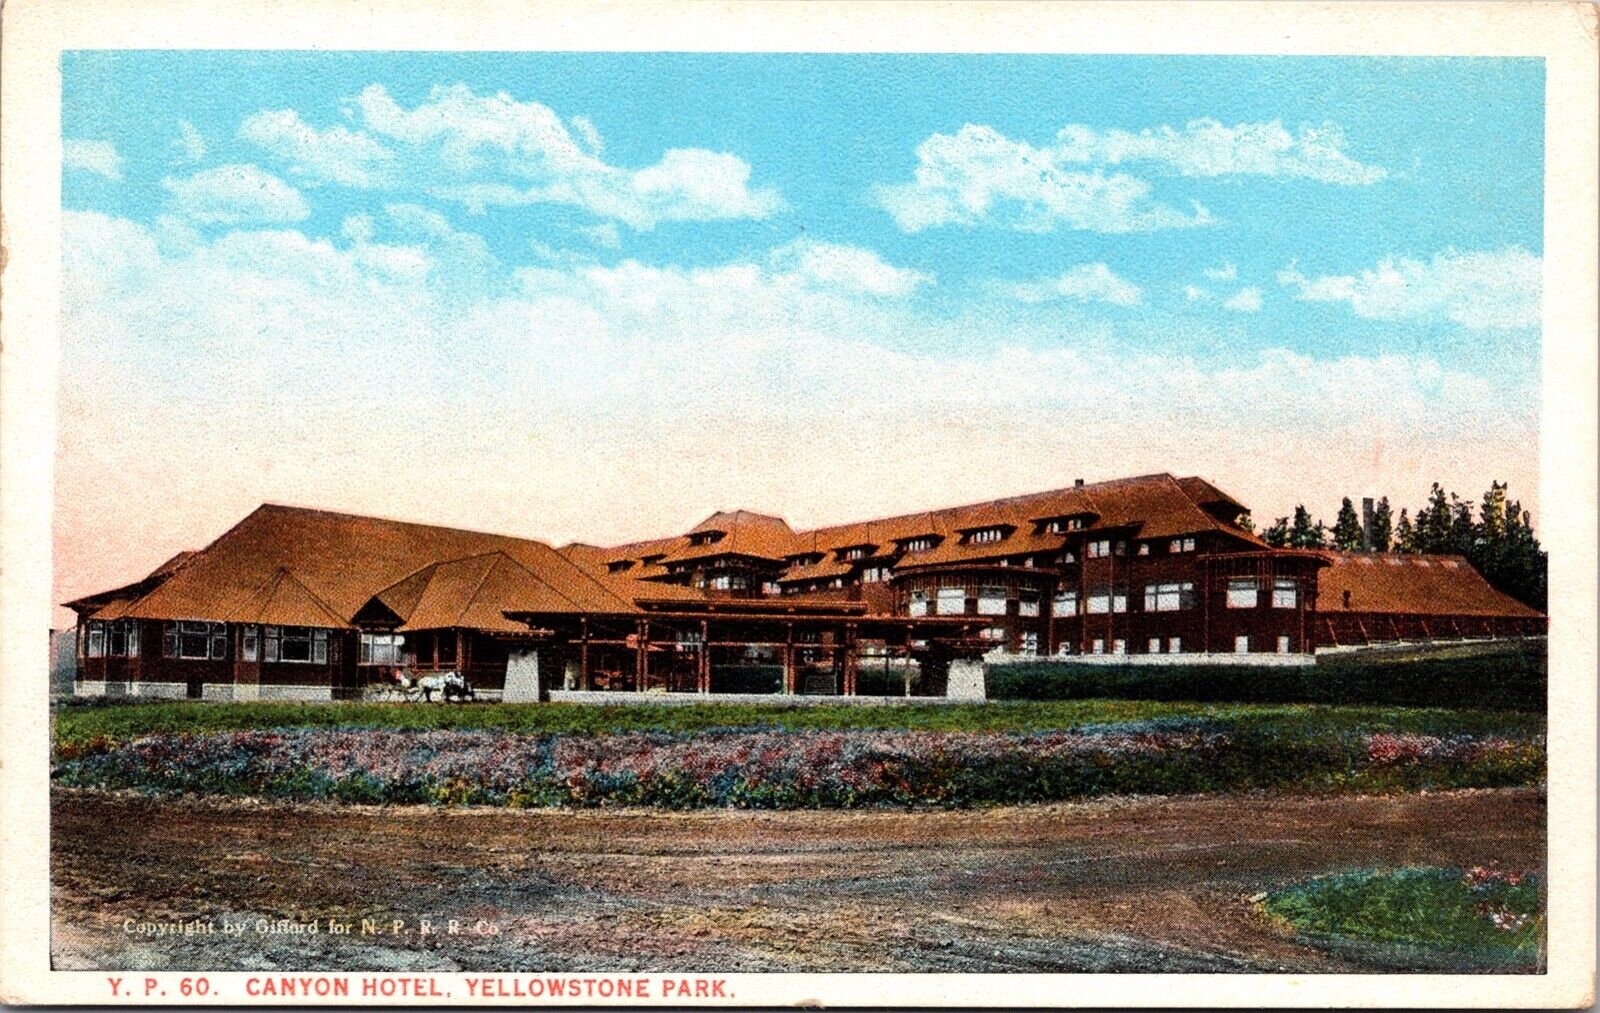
(1366, 523)
(1077, 481)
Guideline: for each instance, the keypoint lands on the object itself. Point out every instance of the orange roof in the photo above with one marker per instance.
(744, 533)
(295, 566)
(1394, 582)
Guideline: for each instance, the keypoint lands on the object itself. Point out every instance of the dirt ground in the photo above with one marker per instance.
(1108, 885)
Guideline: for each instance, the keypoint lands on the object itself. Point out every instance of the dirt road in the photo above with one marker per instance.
(1109, 885)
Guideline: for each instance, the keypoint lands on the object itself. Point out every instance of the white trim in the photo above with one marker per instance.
(89, 688)
(219, 692)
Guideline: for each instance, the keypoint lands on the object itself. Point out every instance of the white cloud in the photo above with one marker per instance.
(978, 175)
(604, 234)
(492, 150)
(335, 155)
(1246, 300)
(99, 157)
(1206, 147)
(849, 267)
(236, 194)
(189, 143)
(1227, 272)
(1194, 293)
(1085, 283)
(1480, 290)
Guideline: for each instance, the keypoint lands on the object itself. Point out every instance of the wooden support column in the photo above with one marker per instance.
(641, 657)
(703, 677)
(461, 651)
(788, 662)
(852, 659)
(583, 654)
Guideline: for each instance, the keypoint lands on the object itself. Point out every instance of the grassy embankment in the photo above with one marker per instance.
(1444, 919)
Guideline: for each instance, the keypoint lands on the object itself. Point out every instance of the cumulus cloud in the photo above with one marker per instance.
(1207, 147)
(191, 146)
(484, 151)
(98, 157)
(1227, 272)
(1489, 290)
(1084, 283)
(979, 175)
(1246, 300)
(848, 267)
(236, 194)
(335, 155)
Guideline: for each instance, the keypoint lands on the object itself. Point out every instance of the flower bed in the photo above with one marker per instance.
(790, 769)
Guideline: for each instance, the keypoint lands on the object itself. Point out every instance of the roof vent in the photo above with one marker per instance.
(1077, 482)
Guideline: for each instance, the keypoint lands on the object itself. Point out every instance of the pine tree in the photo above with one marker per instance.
(1463, 532)
(1433, 522)
(1405, 534)
(1347, 528)
(1277, 536)
(1382, 524)
(1303, 535)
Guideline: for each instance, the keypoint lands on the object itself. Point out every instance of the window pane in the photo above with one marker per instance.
(1241, 594)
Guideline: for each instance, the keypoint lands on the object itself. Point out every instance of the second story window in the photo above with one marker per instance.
(874, 574)
(852, 554)
(922, 544)
(985, 536)
(1181, 545)
(1097, 549)
(1285, 593)
(1168, 597)
(1061, 525)
(1243, 594)
(705, 537)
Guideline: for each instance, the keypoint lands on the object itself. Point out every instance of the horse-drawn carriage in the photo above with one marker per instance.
(409, 686)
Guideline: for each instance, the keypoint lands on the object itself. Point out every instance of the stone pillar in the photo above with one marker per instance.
(966, 680)
(522, 677)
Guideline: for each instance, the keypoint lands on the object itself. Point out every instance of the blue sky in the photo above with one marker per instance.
(1227, 265)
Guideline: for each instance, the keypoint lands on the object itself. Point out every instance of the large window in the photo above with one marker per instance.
(381, 648)
(952, 601)
(991, 601)
(116, 638)
(1030, 641)
(874, 574)
(1102, 602)
(1066, 603)
(1097, 549)
(1028, 604)
(1168, 597)
(1243, 594)
(919, 603)
(198, 641)
(1285, 593)
(297, 645)
(1181, 545)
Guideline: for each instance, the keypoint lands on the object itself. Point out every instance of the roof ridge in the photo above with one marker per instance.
(323, 605)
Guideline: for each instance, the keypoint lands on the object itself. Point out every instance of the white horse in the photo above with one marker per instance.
(452, 685)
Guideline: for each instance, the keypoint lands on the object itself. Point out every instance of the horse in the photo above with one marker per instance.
(452, 685)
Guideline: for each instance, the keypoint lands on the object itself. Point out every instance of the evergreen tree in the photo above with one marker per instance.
(1405, 534)
(1277, 536)
(1303, 535)
(1382, 525)
(1433, 522)
(1347, 528)
(1492, 515)
(1463, 532)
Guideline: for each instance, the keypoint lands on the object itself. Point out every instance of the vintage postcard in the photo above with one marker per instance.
(756, 504)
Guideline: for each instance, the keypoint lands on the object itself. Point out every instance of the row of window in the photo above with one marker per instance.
(952, 601)
(118, 638)
(1174, 645)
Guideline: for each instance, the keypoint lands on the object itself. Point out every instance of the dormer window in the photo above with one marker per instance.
(1061, 525)
(920, 544)
(852, 554)
(984, 536)
(1181, 545)
(705, 537)
(652, 560)
(618, 565)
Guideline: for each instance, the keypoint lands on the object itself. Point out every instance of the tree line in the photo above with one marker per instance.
(1497, 539)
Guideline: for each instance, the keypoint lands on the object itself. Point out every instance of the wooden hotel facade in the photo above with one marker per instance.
(294, 603)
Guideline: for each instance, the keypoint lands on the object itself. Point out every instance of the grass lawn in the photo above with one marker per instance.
(1473, 919)
(121, 722)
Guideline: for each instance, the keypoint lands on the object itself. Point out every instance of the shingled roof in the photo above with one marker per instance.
(1410, 584)
(294, 566)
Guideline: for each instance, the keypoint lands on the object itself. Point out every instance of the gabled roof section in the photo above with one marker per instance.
(745, 533)
(475, 593)
(339, 562)
(1413, 584)
(285, 601)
